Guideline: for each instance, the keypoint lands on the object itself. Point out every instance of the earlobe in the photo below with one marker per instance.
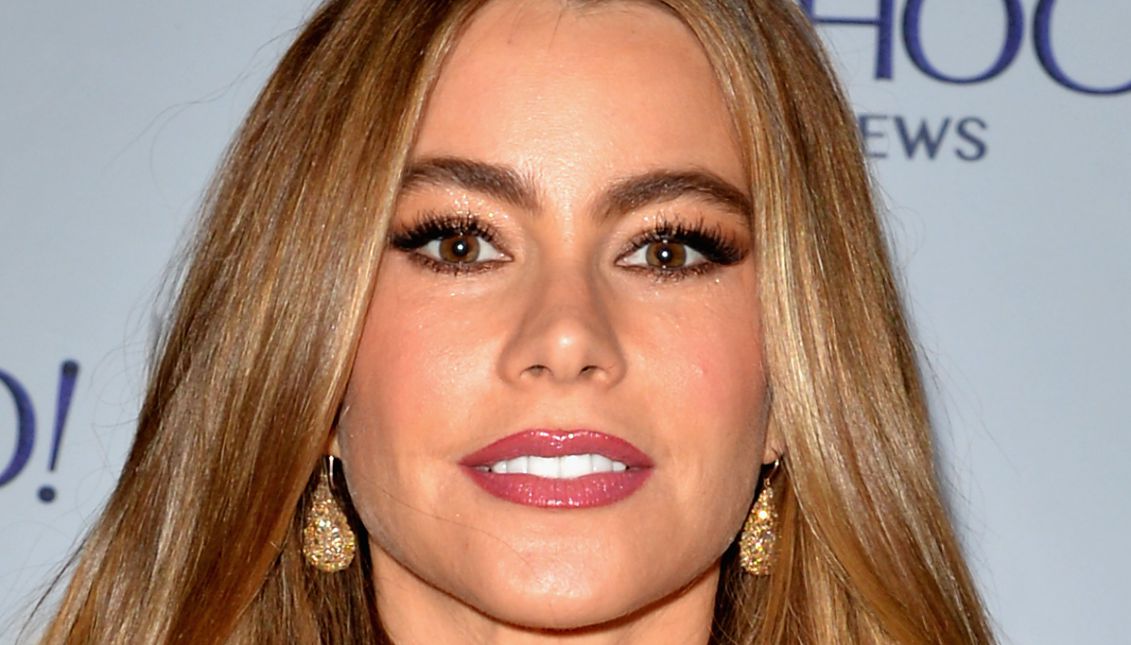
(774, 447)
(332, 447)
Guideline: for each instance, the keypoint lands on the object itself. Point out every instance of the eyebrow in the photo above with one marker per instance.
(632, 193)
(623, 196)
(498, 182)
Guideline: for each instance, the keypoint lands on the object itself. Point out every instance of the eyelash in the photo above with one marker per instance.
(436, 226)
(717, 248)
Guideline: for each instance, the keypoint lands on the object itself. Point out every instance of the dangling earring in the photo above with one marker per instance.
(328, 542)
(756, 545)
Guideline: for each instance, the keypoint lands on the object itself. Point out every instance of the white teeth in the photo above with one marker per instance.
(572, 466)
(602, 464)
(565, 467)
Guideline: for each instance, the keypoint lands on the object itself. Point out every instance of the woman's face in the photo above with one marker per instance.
(569, 291)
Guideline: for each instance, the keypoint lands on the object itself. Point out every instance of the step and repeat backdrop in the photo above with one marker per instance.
(999, 133)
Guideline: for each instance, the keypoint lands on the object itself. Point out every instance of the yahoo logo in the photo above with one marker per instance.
(25, 424)
(884, 24)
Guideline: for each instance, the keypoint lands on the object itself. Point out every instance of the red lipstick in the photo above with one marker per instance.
(559, 468)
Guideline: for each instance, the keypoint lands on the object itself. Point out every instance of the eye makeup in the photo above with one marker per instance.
(716, 247)
(709, 247)
(436, 226)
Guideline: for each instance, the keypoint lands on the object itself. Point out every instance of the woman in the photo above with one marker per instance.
(574, 293)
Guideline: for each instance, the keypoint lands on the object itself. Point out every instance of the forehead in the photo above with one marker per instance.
(580, 93)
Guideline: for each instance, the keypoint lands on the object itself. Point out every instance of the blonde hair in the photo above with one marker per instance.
(200, 541)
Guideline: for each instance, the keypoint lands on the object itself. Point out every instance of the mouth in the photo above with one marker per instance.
(559, 468)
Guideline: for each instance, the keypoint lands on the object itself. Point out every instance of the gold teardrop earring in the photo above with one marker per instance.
(759, 533)
(328, 542)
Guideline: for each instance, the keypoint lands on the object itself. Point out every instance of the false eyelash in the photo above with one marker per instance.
(433, 225)
(717, 248)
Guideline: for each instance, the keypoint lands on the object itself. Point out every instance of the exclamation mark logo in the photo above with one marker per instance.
(68, 374)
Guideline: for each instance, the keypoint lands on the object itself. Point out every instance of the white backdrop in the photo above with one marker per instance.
(1000, 132)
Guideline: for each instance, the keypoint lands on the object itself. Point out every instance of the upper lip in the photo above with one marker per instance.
(558, 443)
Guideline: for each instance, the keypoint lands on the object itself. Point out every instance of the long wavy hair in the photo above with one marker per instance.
(200, 541)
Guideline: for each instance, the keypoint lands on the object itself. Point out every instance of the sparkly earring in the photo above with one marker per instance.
(328, 542)
(756, 544)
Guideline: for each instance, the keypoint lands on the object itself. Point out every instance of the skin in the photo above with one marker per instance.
(560, 331)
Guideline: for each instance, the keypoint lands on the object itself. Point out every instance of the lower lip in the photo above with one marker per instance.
(589, 491)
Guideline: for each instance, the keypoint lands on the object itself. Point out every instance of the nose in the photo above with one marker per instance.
(564, 332)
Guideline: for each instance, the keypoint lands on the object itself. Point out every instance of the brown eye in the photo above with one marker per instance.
(665, 254)
(455, 248)
(459, 249)
(669, 255)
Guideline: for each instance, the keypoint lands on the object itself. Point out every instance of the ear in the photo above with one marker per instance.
(774, 448)
(332, 446)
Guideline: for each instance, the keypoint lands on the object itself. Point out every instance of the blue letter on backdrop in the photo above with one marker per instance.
(25, 428)
(884, 22)
(1042, 35)
(1014, 34)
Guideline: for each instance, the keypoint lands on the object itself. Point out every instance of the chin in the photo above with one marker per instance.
(547, 606)
(541, 593)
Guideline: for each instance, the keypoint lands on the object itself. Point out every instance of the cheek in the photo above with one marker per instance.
(418, 357)
(727, 373)
(731, 384)
(419, 367)
(708, 359)
(712, 389)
